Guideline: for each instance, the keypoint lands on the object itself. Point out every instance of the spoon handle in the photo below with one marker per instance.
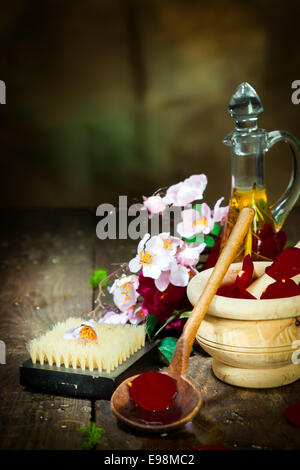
(184, 345)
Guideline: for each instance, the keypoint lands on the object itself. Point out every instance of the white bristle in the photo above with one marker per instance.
(116, 343)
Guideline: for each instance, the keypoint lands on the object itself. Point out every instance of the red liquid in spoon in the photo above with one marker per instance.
(153, 399)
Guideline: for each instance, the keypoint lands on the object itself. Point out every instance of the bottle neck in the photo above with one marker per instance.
(249, 124)
(247, 172)
(248, 161)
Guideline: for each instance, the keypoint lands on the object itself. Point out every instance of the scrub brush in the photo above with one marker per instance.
(77, 343)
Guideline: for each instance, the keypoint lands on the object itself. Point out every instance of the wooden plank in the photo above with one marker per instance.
(46, 261)
(243, 418)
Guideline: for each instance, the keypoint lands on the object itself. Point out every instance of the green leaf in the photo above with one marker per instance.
(185, 315)
(93, 435)
(176, 313)
(209, 241)
(216, 229)
(166, 349)
(97, 276)
(288, 243)
(151, 322)
(198, 238)
(262, 205)
(198, 207)
(191, 239)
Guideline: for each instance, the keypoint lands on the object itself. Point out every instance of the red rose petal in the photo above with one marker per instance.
(153, 391)
(286, 265)
(237, 290)
(270, 243)
(281, 289)
(245, 275)
(292, 414)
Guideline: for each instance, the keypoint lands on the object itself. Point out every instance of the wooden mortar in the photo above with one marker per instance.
(253, 343)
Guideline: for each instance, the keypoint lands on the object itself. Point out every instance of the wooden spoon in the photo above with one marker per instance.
(188, 398)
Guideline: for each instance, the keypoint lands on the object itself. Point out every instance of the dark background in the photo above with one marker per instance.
(123, 96)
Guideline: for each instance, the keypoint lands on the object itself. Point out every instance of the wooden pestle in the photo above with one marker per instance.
(260, 284)
(183, 348)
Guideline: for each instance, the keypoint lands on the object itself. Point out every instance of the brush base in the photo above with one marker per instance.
(256, 378)
(80, 383)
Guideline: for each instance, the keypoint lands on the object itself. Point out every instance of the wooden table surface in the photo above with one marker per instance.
(47, 257)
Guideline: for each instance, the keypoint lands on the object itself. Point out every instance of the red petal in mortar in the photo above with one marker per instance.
(281, 289)
(286, 265)
(153, 391)
(237, 290)
(245, 275)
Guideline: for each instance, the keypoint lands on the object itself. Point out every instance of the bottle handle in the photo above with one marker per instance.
(286, 202)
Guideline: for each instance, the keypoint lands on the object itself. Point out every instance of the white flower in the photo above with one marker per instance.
(180, 275)
(193, 223)
(189, 255)
(162, 281)
(187, 191)
(85, 332)
(170, 243)
(113, 318)
(177, 275)
(133, 316)
(124, 291)
(151, 257)
(154, 204)
(136, 316)
(220, 213)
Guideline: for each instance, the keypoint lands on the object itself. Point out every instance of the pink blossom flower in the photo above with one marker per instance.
(177, 275)
(154, 204)
(187, 191)
(220, 213)
(113, 318)
(151, 257)
(162, 282)
(193, 223)
(124, 291)
(136, 316)
(189, 255)
(170, 243)
(132, 315)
